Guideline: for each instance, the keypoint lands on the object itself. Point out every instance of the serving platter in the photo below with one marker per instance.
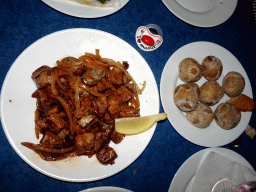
(82, 11)
(212, 136)
(18, 107)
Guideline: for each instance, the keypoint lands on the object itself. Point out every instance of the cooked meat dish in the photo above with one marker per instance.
(77, 102)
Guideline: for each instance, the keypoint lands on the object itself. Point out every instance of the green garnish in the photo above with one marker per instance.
(102, 1)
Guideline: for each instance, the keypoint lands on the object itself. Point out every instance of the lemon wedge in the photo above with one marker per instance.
(136, 125)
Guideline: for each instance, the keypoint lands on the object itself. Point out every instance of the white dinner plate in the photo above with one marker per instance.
(106, 189)
(212, 136)
(18, 107)
(202, 13)
(185, 173)
(82, 11)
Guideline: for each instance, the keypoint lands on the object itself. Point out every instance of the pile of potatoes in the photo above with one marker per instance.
(197, 101)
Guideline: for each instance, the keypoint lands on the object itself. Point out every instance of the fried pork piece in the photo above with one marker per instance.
(57, 122)
(87, 120)
(42, 76)
(51, 140)
(101, 140)
(85, 140)
(115, 76)
(99, 106)
(124, 93)
(114, 103)
(116, 137)
(92, 77)
(107, 155)
(73, 64)
(242, 102)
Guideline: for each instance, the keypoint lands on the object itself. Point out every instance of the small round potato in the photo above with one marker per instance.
(190, 70)
(186, 96)
(212, 68)
(227, 116)
(201, 117)
(211, 93)
(233, 84)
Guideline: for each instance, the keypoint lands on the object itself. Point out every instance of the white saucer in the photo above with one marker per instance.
(202, 13)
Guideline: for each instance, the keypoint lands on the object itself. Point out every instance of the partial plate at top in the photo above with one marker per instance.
(202, 13)
(212, 136)
(18, 107)
(83, 11)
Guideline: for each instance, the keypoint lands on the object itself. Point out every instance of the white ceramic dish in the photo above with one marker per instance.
(17, 106)
(106, 189)
(202, 13)
(82, 11)
(188, 169)
(212, 136)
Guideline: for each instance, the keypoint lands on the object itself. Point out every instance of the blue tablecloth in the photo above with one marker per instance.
(24, 22)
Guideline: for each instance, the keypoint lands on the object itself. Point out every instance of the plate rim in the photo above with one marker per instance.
(103, 188)
(12, 142)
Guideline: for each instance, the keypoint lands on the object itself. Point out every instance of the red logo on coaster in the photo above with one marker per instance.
(146, 40)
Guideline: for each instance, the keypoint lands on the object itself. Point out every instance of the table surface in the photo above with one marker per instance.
(24, 22)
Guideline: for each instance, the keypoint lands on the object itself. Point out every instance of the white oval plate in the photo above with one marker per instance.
(17, 106)
(202, 13)
(106, 189)
(185, 173)
(82, 11)
(212, 136)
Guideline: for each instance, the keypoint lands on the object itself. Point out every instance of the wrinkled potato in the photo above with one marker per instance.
(190, 70)
(227, 116)
(201, 117)
(212, 68)
(233, 84)
(186, 96)
(211, 93)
